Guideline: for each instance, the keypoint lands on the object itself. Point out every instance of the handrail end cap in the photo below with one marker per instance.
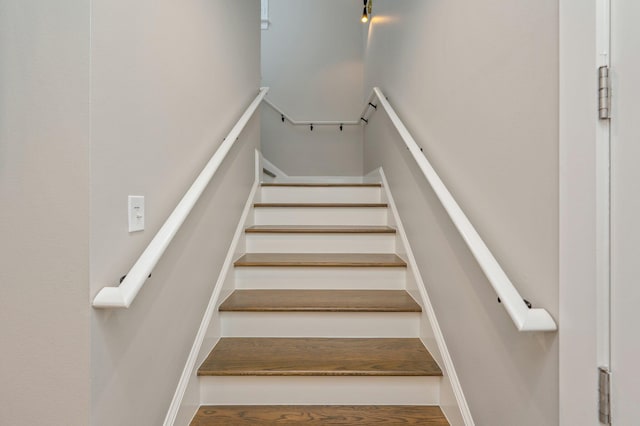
(538, 320)
(110, 297)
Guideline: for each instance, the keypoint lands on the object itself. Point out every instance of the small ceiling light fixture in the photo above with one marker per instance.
(366, 11)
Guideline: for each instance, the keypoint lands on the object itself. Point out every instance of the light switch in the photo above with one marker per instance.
(136, 213)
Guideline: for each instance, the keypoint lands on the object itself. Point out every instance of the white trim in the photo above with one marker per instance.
(190, 366)
(603, 196)
(449, 368)
(124, 295)
(580, 245)
(272, 168)
(524, 318)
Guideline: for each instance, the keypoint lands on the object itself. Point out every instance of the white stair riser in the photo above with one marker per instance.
(320, 278)
(320, 195)
(320, 243)
(321, 216)
(327, 179)
(320, 324)
(316, 390)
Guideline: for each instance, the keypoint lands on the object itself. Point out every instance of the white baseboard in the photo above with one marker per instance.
(458, 414)
(189, 372)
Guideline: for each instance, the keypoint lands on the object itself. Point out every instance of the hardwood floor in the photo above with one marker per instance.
(237, 356)
(318, 229)
(387, 415)
(321, 205)
(322, 185)
(320, 301)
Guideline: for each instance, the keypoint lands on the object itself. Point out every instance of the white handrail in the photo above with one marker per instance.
(524, 318)
(123, 295)
(309, 123)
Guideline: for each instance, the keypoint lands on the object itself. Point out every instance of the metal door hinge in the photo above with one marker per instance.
(604, 395)
(604, 93)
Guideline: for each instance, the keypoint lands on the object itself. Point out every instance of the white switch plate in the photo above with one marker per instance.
(136, 213)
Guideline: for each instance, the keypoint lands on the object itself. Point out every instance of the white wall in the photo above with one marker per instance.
(477, 85)
(169, 80)
(312, 59)
(44, 212)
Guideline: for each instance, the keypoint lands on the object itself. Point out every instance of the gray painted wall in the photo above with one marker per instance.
(77, 136)
(477, 85)
(169, 80)
(312, 59)
(44, 212)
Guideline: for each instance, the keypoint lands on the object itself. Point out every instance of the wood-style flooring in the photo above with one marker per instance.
(321, 205)
(322, 185)
(310, 415)
(248, 356)
(318, 229)
(320, 301)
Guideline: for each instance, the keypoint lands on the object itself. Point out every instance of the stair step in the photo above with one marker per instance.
(320, 390)
(320, 301)
(320, 213)
(319, 415)
(320, 313)
(320, 259)
(319, 357)
(320, 239)
(320, 278)
(319, 229)
(318, 324)
(321, 194)
(322, 184)
(320, 205)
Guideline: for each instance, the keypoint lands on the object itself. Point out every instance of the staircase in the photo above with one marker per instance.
(319, 328)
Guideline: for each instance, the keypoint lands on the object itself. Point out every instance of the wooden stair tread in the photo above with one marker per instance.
(319, 229)
(321, 205)
(321, 259)
(319, 415)
(321, 184)
(247, 356)
(320, 301)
